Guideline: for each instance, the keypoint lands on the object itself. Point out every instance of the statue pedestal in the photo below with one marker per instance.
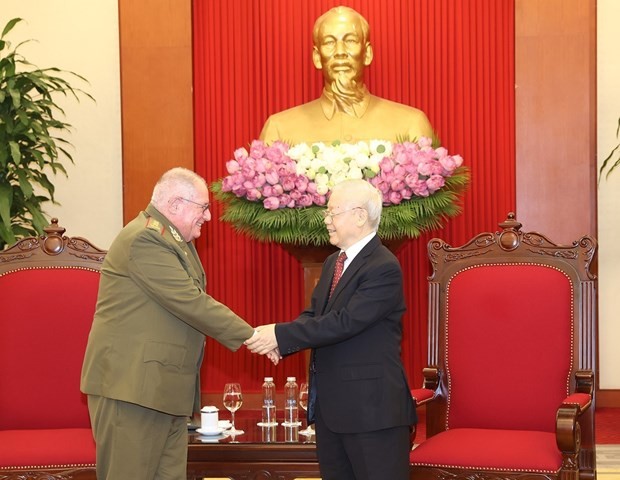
(311, 258)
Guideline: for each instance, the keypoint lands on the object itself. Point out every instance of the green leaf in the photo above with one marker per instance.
(24, 183)
(15, 153)
(6, 197)
(9, 26)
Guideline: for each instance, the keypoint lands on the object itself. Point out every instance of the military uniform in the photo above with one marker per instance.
(147, 340)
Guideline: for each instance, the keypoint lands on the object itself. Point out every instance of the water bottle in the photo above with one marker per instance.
(269, 402)
(291, 394)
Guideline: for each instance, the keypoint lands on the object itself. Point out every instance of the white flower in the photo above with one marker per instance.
(383, 147)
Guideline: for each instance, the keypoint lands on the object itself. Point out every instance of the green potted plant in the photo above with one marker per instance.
(610, 157)
(31, 144)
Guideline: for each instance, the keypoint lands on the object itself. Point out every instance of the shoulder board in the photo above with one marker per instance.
(155, 225)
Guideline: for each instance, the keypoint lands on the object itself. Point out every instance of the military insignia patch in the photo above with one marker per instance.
(154, 225)
(175, 234)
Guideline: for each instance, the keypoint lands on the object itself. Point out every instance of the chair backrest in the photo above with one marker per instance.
(510, 322)
(48, 292)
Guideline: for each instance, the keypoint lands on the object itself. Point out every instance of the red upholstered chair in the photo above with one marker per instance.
(511, 361)
(48, 291)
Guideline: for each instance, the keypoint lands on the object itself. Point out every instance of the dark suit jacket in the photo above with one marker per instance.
(357, 372)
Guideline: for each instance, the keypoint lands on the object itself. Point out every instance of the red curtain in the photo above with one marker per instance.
(454, 59)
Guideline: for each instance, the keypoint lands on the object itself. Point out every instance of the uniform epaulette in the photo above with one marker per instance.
(156, 225)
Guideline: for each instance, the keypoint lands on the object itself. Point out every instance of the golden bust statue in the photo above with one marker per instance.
(346, 110)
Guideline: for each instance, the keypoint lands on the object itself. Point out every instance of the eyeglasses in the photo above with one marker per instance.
(204, 206)
(327, 214)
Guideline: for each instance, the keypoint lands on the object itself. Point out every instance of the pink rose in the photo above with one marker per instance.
(284, 200)
(386, 165)
(288, 183)
(257, 149)
(301, 183)
(319, 199)
(395, 198)
(425, 169)
(425, 142)
(420, 189)
(269, 191)
(240, 154)
(232, 166)
(259, 180)
(272, 177)
(397, 184)
(305, 200)
(271, 203)
(435, 182)
(448, 164)
(253, 195)
(274, 154)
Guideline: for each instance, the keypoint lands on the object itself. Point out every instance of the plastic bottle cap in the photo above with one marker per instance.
(291, 379)
(268, 379)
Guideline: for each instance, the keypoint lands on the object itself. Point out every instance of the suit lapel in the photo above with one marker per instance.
(351, 271)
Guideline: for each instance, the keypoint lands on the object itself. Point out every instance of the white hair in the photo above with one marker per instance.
(176, 182)
(360, 193)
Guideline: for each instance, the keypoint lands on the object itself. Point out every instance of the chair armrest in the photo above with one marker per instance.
(429, 389)
(422, 395)
(567, 429)
(581, 400)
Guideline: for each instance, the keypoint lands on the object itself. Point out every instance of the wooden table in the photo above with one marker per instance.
(260, 453)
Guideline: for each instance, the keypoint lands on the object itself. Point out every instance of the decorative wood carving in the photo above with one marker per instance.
(574, 433)
(53, 248)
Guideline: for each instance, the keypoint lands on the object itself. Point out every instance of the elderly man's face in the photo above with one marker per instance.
(341, 50)
(192, 214)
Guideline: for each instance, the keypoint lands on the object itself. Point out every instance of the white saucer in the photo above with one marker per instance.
(291, 424)
(273, 424)
(210, 431)
(225, 424)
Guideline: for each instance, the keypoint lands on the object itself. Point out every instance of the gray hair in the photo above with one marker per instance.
(363, 23)
(176, 182)
(361, 193)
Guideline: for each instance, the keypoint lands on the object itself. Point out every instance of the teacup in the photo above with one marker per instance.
(209, 417)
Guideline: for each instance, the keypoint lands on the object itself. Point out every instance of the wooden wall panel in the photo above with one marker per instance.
(156, 94)
(556, 116)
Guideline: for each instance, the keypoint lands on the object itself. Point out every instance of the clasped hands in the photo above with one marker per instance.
(264, 342)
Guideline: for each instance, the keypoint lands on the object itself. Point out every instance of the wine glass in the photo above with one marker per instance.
(233, 401)
(303, 403)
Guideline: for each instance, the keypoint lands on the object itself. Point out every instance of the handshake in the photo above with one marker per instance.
(264, 342)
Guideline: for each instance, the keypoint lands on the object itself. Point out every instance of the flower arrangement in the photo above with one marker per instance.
(276, 192)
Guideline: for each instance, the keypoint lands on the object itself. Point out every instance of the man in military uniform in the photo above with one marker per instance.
(346, 111)
(141, 370)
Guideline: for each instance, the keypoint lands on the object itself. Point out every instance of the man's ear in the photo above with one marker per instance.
(316, 58)
(362, 217)
(368, 55)
(173, 205)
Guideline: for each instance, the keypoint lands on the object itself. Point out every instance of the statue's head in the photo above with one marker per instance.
(342, 45)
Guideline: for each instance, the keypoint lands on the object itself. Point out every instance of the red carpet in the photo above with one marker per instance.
(607, 426)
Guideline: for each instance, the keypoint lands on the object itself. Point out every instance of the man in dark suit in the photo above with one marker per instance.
(141, 369)
(359, 397)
